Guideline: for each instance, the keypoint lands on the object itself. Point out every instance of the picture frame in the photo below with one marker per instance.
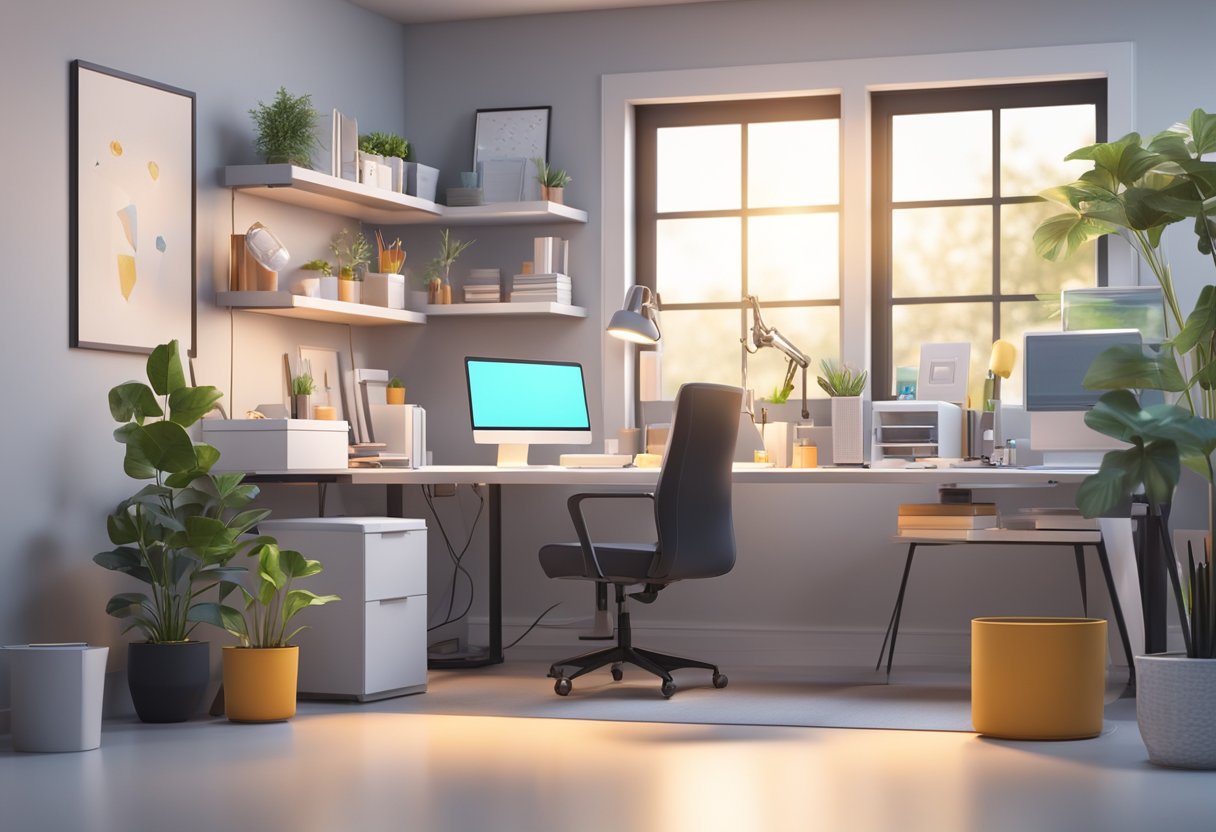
(131, 217)
(513, 133)
(325, 366)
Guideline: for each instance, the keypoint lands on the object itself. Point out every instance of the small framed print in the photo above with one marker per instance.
(520, 133)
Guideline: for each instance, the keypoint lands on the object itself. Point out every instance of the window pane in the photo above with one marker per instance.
(941, 156)
(700, 346)
(814, 330)
(793, 163)
(1025, 273)
(1016, 320)
(699, 168)
(794, 257)
(915, 324)
(698, 260)
(941, 251)
(1034, 142)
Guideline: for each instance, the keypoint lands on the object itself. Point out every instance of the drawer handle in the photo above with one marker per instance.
(385, 535)
(393, 600)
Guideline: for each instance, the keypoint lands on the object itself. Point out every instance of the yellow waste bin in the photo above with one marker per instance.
(1038, 678)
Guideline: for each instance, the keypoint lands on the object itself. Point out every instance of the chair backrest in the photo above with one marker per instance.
(692, 500)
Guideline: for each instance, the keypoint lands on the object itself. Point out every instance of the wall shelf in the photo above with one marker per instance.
(287, 305)
(321, 192)
(523, 310)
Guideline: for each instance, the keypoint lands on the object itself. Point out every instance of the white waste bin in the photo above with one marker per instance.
(56, 696)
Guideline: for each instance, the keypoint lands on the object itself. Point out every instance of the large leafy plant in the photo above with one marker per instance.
(1137, 189)
(177, 533)
(272, 604)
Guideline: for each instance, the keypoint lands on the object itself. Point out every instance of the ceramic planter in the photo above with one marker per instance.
(348, 290)
(394, 395)
(555, 195)
(168, 681)
(260, 683)
(848, 434)
(56, 696)
(1174, 709)
(303, 406)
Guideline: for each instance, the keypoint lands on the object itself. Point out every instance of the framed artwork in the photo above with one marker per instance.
(516, 134)
(325, 367)
(131, 212)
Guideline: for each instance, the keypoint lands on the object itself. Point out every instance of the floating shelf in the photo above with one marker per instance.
(522, 310)
(322, 192)
(287, 305)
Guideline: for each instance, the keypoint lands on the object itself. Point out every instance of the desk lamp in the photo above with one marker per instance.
(638, 321)
(766, 336)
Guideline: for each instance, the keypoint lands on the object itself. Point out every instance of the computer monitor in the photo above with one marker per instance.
(1057, 401)
(516, 403)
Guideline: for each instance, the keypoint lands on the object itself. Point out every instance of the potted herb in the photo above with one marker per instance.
(553, 181)
(438, 271)
(286, 129)
(176, 534)
(260, 674)
(395, 392)
(390, 152)
(1137, 189)
(845, 385)
(353, 253)
(327, 283)
(302, 388)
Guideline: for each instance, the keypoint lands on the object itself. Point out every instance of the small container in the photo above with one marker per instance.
(806, 455)
(760, 456)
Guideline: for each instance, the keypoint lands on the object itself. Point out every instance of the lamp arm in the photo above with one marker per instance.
(766, 336)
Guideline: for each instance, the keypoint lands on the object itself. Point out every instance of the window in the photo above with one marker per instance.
(956, 178)
(738, 198)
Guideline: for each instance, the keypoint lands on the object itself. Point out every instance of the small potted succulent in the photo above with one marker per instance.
(323, 273)
(395, 392)
(302, 388)
(845, 385)
(438, 271)
(553, 181)
(353, 253)
(286, 129)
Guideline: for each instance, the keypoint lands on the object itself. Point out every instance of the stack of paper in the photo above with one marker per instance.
(550, 287)
(483, 286)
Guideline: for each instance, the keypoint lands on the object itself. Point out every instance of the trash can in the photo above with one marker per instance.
(56, 696)
(1038, 678)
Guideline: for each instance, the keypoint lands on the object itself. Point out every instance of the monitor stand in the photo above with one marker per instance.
(512, 456)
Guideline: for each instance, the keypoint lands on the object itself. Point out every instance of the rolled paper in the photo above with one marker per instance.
(324, 411)
(1003, 356)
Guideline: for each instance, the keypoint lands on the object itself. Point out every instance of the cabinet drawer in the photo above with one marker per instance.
(394, 565)
(395, 644)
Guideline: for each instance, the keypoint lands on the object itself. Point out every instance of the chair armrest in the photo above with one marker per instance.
(575, 506)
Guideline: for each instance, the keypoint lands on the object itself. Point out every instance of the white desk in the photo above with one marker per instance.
(1117, 532)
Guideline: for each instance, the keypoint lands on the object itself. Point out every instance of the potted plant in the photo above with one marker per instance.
(553, 181)
(176, 534)
(302, 388)
(327, 283)
(286, 129)
(395, 392)
(845, 385)
(390, 150)
(438, 271)
(1137, 189)
(260, 674)
(353, 253)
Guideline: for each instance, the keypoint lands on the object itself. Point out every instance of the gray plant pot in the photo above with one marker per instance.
(1174, 709)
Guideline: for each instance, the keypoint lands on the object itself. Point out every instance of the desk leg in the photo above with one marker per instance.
(1079, 553)
(1118, 610)
(893, 625)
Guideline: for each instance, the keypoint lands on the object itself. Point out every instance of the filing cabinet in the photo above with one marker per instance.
(371, 644)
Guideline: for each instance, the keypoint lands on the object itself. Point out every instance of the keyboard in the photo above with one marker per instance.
(595, 460)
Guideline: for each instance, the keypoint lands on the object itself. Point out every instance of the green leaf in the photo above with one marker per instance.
(1200, 324)
(247, 519)
(165, 369)
(1061, 235)
(1101, 494)
(125, 604)
(208, 536)
(189, 404)
(1134, 365)
(127, 560)
(122, 434)
(1118, 414)
(1154, 466)
(207, 456)
(135, 463)
(298, 566)
(165, 446)
(1148, 208)
(1120, 162)
(300, 599)
(220, 615)
(121, 528)
(133, 400)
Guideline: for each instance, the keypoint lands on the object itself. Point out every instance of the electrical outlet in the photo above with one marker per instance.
(445, 489)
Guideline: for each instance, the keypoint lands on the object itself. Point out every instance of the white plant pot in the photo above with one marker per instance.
(848, 430)
(56, 697)
(329, 287)
(1174, 709)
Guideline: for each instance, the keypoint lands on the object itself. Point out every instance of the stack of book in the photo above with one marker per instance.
(483, 286)
(931, 519)
(550, 287)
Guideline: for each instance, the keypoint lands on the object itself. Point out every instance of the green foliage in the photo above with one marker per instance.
(178, 532)
(272, 605)
(1200, 601)
(303, 385)
(841, 379)
(395, 382)
(286, 129)
(385, 144)
(441, 265)
(352, 251)
(550, 177)
(321, 266)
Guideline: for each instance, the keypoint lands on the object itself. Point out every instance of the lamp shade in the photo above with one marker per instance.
(636, 321)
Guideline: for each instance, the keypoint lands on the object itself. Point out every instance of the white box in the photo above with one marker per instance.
(421, 180)
(384, 289)
(56, 694)
(402, 429)
(371, 644)
(278, 444)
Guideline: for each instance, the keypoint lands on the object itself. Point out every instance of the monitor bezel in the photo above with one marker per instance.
(509, 433)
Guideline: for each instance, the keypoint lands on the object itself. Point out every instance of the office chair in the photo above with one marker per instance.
(692, 512)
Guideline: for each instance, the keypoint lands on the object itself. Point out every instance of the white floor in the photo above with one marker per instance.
(350, 767)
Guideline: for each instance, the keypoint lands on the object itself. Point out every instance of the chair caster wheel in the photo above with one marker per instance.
(667, 689)
(617, 673)
(720, 680)
(563, 686)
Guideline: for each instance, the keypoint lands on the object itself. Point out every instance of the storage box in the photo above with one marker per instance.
(421, 180)
(277, 444)
(402, 429)
(384, 289)
(56, 695)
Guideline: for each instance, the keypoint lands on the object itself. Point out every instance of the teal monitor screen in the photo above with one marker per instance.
(510, 395)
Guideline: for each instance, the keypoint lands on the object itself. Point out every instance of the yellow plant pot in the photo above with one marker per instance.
(1037, 678)
(260, 683)
(394, 395)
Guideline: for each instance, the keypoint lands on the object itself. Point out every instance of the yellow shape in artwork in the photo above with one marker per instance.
(116, 147)
(154, 170)
(126, 275)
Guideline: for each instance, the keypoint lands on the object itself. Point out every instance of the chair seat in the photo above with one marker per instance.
(620, 562)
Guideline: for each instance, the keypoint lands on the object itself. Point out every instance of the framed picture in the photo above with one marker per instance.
(518, 134)
(325, 367)
(131, 212)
